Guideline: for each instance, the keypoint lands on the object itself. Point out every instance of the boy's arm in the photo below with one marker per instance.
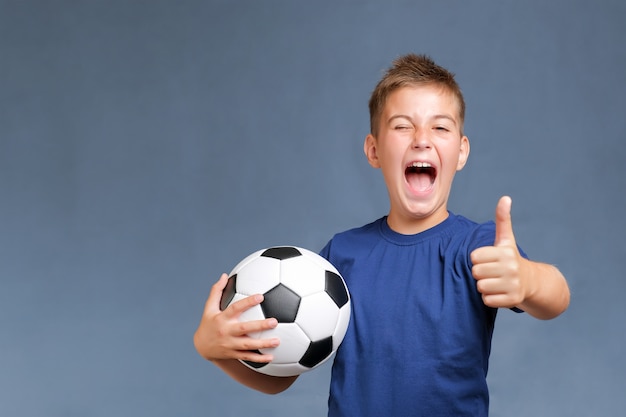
(506, 279)
(223, 339)
(264, 383)
(547, 293)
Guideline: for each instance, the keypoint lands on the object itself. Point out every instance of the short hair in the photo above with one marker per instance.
(411, 70)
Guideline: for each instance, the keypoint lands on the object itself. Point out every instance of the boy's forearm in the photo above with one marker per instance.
(264, 383)
(548, 294)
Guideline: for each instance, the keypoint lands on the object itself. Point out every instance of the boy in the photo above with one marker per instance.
(425, 283)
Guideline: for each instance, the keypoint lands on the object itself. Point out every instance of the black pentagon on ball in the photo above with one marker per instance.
(229, 292)
(281, 303)
(317, 352)
(336, 289)
(281, 252)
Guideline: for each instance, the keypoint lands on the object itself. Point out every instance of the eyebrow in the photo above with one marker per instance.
(435, 117)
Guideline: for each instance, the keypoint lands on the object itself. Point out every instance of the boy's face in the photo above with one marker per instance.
(419, 147)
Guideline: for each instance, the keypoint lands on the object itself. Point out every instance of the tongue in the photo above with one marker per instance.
(419, 182)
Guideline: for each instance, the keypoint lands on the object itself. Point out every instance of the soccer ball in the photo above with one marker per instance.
(308, 297)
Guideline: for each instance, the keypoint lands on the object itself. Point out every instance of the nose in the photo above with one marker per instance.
(421, 140)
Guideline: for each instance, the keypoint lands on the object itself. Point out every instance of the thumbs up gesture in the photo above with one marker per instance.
(499, 270)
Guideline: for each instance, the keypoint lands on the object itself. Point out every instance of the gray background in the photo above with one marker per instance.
(147, 146)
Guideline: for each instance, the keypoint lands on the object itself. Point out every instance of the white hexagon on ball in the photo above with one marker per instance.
(314, 314)
(302, 275)
(258, 276)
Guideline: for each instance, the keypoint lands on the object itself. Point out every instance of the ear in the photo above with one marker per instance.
(369, 147)
(463, 153)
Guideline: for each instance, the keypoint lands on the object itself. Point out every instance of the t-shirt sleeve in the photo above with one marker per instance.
(325, 252)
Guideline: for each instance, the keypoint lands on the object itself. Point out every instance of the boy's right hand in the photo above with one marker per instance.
(221, 335)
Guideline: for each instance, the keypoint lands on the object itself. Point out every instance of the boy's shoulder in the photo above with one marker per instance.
(354, 238)
(363, 233)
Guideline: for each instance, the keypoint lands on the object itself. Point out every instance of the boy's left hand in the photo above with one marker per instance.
(499, 269)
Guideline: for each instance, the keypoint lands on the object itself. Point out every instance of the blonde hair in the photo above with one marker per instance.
(408, 70)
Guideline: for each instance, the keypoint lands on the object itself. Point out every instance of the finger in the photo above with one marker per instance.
(485, 271)
(254, 326)
(498, 301)
(245, 344)
(493, 286)
(255, 356)
(239, 307)
(504, 225)
(213, 301)
(483, 255)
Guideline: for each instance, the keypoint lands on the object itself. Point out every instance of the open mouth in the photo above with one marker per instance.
(420, 175)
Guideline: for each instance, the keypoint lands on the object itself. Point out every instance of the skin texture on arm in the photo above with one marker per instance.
(506, 279)
(548, 295)
(222, 339)
(266, 384)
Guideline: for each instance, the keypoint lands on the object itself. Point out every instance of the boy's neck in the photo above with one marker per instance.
(413, 226)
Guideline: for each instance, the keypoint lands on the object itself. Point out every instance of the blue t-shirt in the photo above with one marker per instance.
(419, 337)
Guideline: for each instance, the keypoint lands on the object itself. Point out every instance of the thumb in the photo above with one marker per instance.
(213, 302)
(504, 226)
